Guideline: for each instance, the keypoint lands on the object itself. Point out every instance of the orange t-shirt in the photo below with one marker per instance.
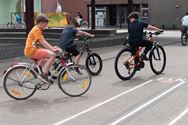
(34, 35)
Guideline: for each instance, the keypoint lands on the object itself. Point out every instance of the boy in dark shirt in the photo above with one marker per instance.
(67, 39)
(135, 30)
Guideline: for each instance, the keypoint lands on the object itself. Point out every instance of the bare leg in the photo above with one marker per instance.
(77, 59)
(42, 62)
(48, 63)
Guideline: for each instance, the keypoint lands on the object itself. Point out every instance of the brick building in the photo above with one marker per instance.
(108, 12)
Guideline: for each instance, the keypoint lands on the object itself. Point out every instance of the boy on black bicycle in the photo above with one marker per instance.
(135, 30)
(67, 39)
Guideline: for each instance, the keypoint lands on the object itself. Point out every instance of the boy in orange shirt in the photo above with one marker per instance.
(45, 55)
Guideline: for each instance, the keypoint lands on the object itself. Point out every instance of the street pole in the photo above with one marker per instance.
(92, 14)
(121, 16)
(130, 6)
(29, 15)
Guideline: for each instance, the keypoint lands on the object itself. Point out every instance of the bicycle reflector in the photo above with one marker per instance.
(84, 84)
(27, 74)
(16, 92)
(65, 77)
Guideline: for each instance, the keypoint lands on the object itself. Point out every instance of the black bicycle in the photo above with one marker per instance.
(93, 61)
(184, 36)
(127, 62)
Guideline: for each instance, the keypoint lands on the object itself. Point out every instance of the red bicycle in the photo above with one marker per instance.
(127, 63)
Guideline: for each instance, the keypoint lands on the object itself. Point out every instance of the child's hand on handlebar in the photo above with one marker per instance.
(56, 49)
(92, 36)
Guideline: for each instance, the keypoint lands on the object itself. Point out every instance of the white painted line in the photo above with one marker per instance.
(146, 104)
(179, 117)
(100, 104)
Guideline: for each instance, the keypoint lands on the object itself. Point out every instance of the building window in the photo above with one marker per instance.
(100, 16)
(144, 11)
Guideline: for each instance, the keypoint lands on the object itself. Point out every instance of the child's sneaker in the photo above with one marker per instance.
(78, 71)
(45, 79)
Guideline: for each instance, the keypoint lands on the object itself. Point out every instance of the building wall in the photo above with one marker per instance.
(6, 7)
(110, 2)
(48, 6)
(167, 13)
(70, 6)
(11, 6)
(74, 6)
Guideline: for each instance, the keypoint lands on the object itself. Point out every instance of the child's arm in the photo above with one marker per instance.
(150, 27)
(82, 33)
(46, 45)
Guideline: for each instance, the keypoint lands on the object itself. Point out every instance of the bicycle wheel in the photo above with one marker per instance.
(18, 83)
(10, 25)
(157, 59)
(84, 24)
(22, 25)
(94, 63)
(184, 39)
(74, 82)
(125, 64)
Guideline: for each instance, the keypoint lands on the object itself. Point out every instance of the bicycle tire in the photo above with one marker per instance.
(14, 93)
(123, 67)
(10, 25)
(22, 25)
(71, 87)
(84, 24)
(91, 62)
(156, 51)
(184, 39)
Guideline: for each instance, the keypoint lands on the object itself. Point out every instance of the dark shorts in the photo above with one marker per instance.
(143, 43)
(73, 50)
(184, 29)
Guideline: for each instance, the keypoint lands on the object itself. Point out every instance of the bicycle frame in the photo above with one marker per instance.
(29, 67)
(136, 55)
(82, 50)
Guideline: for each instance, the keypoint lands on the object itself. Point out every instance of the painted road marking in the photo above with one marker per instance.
(179, 117)
(147, 103)
(102, 103)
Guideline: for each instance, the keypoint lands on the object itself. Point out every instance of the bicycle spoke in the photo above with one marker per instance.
(21, 89)
(74, 82)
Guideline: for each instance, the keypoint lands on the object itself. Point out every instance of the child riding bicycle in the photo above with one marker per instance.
(135, 30)
(45, 54)
(184, 22)
(67, 39)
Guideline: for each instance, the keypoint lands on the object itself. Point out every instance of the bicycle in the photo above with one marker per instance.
(184, 36)
(126, 64)
(14, 24)
(83, 24)
(93, 61)
(22, 80)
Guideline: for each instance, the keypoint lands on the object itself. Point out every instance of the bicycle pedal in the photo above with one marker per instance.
(43, 86)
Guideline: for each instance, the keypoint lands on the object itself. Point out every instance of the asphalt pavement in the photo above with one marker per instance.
(146, 99)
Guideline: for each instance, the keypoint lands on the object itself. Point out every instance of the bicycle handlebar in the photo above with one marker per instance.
(83, 38)
(154, 33)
